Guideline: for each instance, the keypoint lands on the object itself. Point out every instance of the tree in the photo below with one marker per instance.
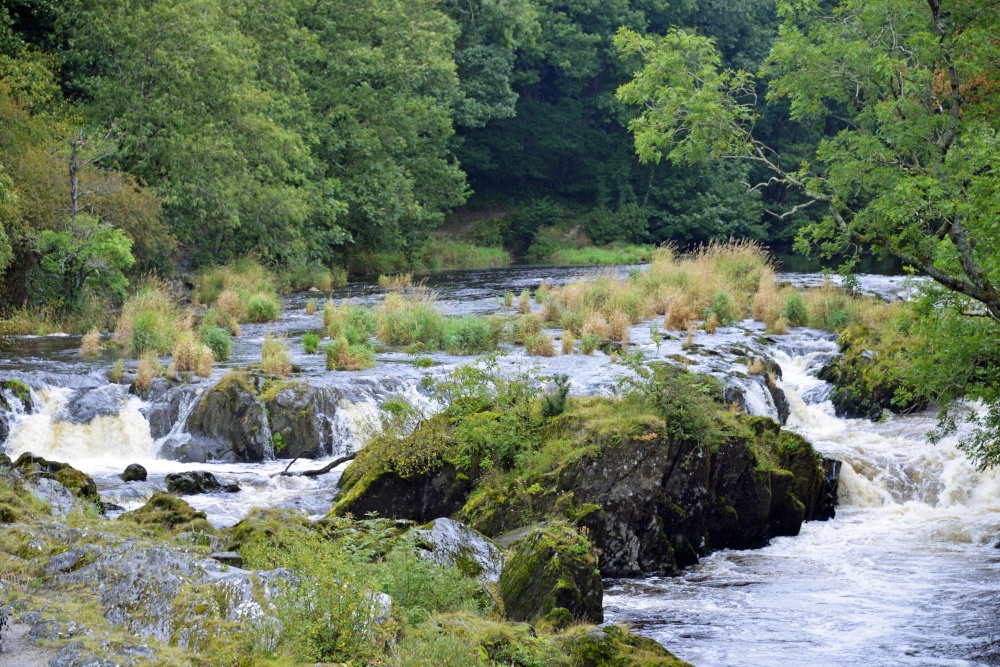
(909, 165)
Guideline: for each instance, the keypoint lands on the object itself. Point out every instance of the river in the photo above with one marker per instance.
(906, 574)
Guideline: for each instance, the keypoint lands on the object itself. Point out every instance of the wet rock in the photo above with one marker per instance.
(89, 403)
(17, 391)
(826, 507)
(195, 482)
(188, 452)
(231, 424)
(134, 473)
(164, 411)
(552, 568)
(58, 497)
(421, 497)
(169, 512)
(301, 414)
(450, 543)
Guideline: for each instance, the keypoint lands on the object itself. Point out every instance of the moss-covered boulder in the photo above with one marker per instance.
(614, 646)
(167, 511)
(82, 485)
(230, 422)
(271, 526)
(298, 414)
(551, 568)
(17, 390)
(868, 377)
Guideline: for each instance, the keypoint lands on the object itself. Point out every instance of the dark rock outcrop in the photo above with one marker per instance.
(421, 497)
(549, 569)
(195, 482)
(134, 473)
(299, 413)
(231, 424)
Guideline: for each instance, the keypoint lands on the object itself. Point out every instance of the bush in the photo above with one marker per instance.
(218, 340)
(723, 309)
(275, 357)
(539, 345)
(469, 335)
(589, 343)
(795, 312)
(310, 342)
(263, 308)
(148, 321)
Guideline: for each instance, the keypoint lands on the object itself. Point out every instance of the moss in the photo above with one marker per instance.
(20, 391)
(552, 566)
(614, 646)
(271, 525)
(169, 512)
(82, 485)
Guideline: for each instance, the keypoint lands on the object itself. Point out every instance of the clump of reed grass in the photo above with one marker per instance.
(311, 307)
(341, 355)
(117, 371)
(262, 307)
(148, 321)
(618, 327)
(148, 368)
(275, 358)
(711, 323)
(527, 326)
(508, 299)
(589, 343)
(396, 281)
(524, 302)
(551, 311)
(229, 304)
(190, 354)
(310, 342)
(568, 342)
(755, 366)
(595, 324)
(539, 345)
(91, 343)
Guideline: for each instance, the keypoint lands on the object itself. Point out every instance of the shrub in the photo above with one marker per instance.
(795, 311)
(262, 307)
(524, 302)
(342, 356)
(589, 343)
(91, 343)
(275, 357)
(527, 326)
(310, 342)
(311, 307)
(567, 342)
(723, 309)
(468, 335)
(218, 341)
(554, 403)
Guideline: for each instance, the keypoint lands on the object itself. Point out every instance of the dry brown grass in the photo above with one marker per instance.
(204, 361)
(524, 302)
(755, 366)
(311, 307)
(542, 291)
(397, 281)
(568, 342)
(689, 340)
(527, 326)
(618, 327)
(780, 327)
(190, 354)
(91, 343)
(679, 317)
(185, 321)
(229, 304)
(275, 358)
(711, 324)
(540, 345)
(149, 368)
(551, 312)
(597, 325)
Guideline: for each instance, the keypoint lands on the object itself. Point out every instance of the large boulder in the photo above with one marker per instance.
(452, 544)
(551, 573)
(230, 423)
(300, 414)
(134, 473)
(613, 645)
(169, 511)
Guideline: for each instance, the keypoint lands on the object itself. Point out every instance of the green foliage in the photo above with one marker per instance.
(88, 257)
(342, 355)
(554, 403)
(262, 308)
(795, 311)
(310, 342)
(724, 309)
(218, 340)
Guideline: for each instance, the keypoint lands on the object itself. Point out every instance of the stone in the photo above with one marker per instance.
(35, 468)
(452, 544)
(134, 473)
(231, 424)
(66, 561)
(300, 413)
(195, 482)
(421, 497)
(230, 558)
(552, 567)
(170, 512)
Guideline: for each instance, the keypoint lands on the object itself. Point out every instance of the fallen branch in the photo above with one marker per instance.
(320, 471)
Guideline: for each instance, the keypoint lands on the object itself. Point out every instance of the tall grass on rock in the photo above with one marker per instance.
(245, 290)
(91, 343)
(275, 357)
(190, 354)
(149, 320)
(341, 355)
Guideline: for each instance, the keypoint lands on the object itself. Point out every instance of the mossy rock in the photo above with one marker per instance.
(169, 512)
(613, 646)
(81, 485)
(20, 391)
(552, 566)
(273, 526)
(420, 497)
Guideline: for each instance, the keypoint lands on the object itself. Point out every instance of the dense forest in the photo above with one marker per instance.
(196, 131)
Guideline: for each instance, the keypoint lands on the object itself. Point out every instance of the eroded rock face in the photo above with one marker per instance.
(230, 423)
(450, 543)
(421, 497)
(549, 569)
(300, 414)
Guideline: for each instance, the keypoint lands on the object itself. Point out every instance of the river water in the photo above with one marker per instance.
(906, 574)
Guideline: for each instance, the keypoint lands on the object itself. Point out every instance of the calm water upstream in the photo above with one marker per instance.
(905, 575)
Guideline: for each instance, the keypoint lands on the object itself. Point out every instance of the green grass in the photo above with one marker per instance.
(613, 255)
(435, 255)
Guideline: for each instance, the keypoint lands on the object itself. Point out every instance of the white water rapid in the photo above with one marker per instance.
(906, 574)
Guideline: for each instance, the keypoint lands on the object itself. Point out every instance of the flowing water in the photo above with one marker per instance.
(906, 574)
